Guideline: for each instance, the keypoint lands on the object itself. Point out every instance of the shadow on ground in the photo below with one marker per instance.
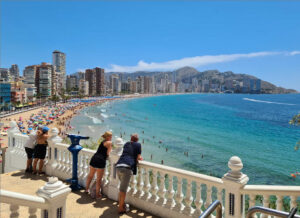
(108, 207)
(22, 175)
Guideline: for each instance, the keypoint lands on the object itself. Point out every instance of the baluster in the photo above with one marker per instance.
(208, 196)
(188, 210)
(70, 162)
(265, 204)
(162, 190)
(80, 166)
(170, 195)
(140, 183)
(220, 194)
(293, 202)
(279, 202)
(85, 166)
(154, 187)
(198, 200)
(106, 175)
(132, 190)
(14, 211)
(147, 185)
(63, 160)
(32, 212)
(179, 196)
(251, 203)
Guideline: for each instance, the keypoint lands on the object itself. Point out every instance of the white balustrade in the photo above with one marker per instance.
(278, 194)
(165, 191)
(51, 196)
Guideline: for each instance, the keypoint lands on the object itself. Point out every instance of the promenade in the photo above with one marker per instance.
(78, 204)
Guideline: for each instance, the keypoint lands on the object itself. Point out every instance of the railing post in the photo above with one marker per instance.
(52, 162)
(55, 194)
(11, 132)
(11, 146)
(113, 191)
(234, 181)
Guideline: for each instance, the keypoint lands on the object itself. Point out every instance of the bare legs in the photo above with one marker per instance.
(89, 178)
(29, 163)
(98, 181)
(122, 196)
(34, 164)
(41, 164)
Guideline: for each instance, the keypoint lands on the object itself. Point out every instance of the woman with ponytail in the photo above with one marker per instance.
(98, 162)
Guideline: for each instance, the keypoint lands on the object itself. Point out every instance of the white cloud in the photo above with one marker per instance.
(196, 61)
(294, 53)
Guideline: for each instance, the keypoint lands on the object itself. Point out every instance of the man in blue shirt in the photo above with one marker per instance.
(126, 166)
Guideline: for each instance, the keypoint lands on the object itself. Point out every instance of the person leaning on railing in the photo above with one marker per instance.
(126, 166)
(98, 163)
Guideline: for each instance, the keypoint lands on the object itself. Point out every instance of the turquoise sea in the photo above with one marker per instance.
(211, 128)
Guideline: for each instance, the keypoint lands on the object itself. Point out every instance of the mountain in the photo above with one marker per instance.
(187, 74)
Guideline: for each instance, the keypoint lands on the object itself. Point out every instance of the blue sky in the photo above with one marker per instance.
(257, 38)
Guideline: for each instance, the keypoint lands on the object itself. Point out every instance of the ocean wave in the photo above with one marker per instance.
(104, 115)
(267, 102)
(103, 110)
(91, 128)
(94, 119)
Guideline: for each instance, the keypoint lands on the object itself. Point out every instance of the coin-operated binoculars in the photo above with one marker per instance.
(74, 148)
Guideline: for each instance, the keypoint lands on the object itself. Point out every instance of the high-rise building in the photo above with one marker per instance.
(5, 96)
(147, 84)
(72, 82)
(59, 64)
(5, 75)
(91, 78)
(133, 86)
(29, 74)
(115, 83)
(14, 71)
(83, 87)
(140, 84)
(96, 79)
(45, 86)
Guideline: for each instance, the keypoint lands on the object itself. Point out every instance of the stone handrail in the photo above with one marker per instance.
(289, 194)
(30, 201)
(271, 190)
(51, 200)
(162, 190)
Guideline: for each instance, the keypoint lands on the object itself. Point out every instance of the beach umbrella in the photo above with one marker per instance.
(29, 128)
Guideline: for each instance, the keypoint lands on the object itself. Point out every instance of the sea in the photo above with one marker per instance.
(201, 132)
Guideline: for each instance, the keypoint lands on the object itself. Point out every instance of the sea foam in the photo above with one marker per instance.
(267, 102)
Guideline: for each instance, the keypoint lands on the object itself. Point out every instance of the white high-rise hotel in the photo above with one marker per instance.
(59, 63)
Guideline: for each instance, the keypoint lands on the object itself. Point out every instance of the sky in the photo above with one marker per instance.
(257, 38)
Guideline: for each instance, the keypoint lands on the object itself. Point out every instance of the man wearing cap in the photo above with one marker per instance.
(40, 149)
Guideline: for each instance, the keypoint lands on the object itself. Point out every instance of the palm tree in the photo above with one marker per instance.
(54, 98)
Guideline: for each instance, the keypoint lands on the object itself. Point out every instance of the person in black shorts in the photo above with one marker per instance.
(98, 162)
(40, 149)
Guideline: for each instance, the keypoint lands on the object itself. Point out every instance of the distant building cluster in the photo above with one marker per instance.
(49, 80)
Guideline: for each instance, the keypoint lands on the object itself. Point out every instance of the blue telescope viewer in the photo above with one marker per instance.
(74, 148)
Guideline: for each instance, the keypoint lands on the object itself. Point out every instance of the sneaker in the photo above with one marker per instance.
(127, 208)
